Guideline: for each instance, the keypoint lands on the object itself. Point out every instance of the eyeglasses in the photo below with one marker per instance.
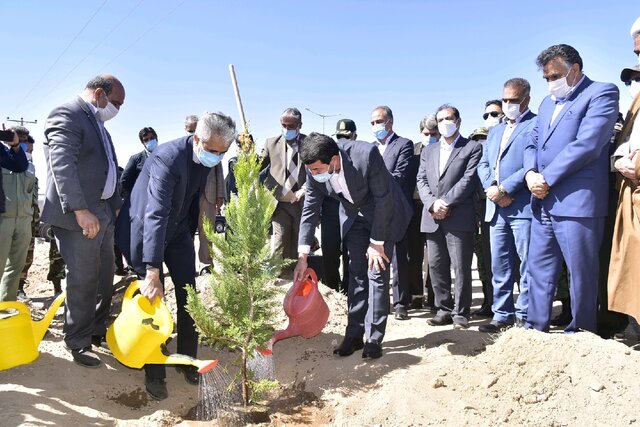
(635, 79)
(492, 114)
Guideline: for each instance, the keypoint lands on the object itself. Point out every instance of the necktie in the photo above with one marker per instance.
(291, 183)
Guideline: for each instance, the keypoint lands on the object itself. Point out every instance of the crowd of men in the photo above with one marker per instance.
(532, 195)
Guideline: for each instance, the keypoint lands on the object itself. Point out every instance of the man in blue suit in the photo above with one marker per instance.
(158, 222)
(508, 204)
(397, 154)
(566, 168)
(374, 214)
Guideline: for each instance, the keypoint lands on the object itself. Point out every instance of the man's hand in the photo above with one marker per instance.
(493, 193)
(626, 165)
(299, 194)
(219, 203)
(376, 257)
(505, 201)
(152, 286)
(537, 185)
(439, 210)
(88, 222)
(301, 267)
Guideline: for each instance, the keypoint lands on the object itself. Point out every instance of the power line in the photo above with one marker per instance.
(155, 24)
(95, 47)
(60, 56)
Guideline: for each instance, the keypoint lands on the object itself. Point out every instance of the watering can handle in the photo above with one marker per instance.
(309, 272)
(132, 289)
(20, 307)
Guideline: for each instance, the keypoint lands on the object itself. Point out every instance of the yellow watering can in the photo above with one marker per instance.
(137, 337)
(20, 335)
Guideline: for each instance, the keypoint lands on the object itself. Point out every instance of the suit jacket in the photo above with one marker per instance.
(214, 187)
(15, 161)
(572, 152)
(274, 166)
(160, 208)
(132, 171)
(511, 168)
(456, 185)
(77, 165)
(376, 196)
(398, 158)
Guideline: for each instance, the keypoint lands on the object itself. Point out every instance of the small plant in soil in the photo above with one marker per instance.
(243, 308)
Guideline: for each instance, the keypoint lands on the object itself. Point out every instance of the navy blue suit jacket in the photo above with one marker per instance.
(376, 195)
(511, 168)
(160, 209)
(572, 151)
(132, 171)
(398, 158)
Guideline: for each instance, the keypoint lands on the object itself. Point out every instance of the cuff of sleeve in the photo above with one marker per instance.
(376, 242)
(304, 249)
(151, 265)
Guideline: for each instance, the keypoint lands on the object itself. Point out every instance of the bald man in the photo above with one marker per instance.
(82, 199)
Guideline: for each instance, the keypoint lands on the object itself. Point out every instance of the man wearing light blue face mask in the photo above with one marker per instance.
(397, 153)
(285, 175)
(149, 140)
(157, 225)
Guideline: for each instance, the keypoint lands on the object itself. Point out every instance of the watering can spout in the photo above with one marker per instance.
(40, 327)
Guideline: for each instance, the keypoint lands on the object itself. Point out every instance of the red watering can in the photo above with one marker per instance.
(306, 309)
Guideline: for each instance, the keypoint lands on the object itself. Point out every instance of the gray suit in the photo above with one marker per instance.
(450, 240)
(77, 168)
(380, 212)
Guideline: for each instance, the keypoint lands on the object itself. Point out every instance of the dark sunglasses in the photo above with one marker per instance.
(492, 114)
(635, 79)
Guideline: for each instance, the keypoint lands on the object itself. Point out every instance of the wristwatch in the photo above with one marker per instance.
(502, 191)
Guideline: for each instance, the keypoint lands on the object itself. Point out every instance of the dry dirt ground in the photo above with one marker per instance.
(427, 376)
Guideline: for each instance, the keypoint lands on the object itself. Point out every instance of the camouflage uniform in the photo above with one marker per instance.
(56, 264)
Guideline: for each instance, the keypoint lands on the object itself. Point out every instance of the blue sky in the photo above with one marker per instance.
(332, 57)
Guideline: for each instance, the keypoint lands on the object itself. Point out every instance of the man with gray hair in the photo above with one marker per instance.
(416, 240)
(190, 123)
(158, 225)
(287, 177)
(508, 205)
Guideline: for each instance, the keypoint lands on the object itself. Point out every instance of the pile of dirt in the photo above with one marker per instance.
(427, 376)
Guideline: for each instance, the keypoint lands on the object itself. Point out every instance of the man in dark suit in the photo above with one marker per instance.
(508, 205)
(287, 177)
(82, 200)
(397, 154)
(447, 181)
(158, 224)
(374, 214)
(149, 140)
(566, 168)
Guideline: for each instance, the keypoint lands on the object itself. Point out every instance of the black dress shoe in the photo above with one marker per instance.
(348, 346)
(562, 319)
(401, 313)
(85, 357)
(156, 387)
(494, 327)
(484, 311)
(190, 373)
(372, 350)
(440, 320)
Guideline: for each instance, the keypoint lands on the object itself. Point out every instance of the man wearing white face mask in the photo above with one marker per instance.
(447, 181)
(158, 222)
(285, 175)
(566, 166)
(493, 114)
(82, 199)
(508, 210)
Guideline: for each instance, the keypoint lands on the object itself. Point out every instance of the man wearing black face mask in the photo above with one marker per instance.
(82, 200)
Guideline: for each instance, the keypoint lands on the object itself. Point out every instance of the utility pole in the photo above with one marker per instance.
(323, 116)
(22, 121)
